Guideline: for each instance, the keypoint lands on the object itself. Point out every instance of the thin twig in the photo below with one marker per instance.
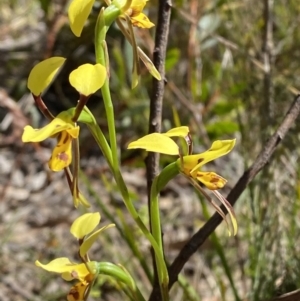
(261, 161)
(291, 296)
(159, 55)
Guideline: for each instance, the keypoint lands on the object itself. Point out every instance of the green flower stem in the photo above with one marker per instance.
(167, 174)
(161, 265)
(110, 269)
(102, 143)
(111, 123)
(121, 275)
(88, 118)
(100, 35)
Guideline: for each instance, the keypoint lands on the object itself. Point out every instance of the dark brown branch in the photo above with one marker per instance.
(261, 161)
(159, 55)
(292, 296)
(156, 101)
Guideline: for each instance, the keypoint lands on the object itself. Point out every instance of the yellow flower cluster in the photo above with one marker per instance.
(85, 272)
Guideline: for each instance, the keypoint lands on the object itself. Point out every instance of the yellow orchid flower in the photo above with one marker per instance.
(66, 130)
(136, 16)
(84, 272)
(87, 271)
(86, 79)
(190, 164)
(68, 269)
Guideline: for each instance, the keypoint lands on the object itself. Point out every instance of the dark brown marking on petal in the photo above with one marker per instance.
(66, 139)
(73, 292)
(58, 125)
(214, 180)
(63, 157)
(200, 160)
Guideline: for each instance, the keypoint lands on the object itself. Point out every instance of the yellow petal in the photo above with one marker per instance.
(181, 131)
(137, 6)
(142, 21)
(77, 291)
(55, 126)
(78, 13)
(43, 73)
(156, 142)
(73, 132)
(218, 149)
(57, 265)
(65, 267)
(88, 78)
(211, 180)
(87, 244)
(62, 153)
(75, 271)
(85, 224)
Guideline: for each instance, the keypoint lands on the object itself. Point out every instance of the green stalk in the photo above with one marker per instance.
(121, 275)
(102, 143)
(168, 173)
(100, 35)
(161, 265)
(158, 184)
(88, 118)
